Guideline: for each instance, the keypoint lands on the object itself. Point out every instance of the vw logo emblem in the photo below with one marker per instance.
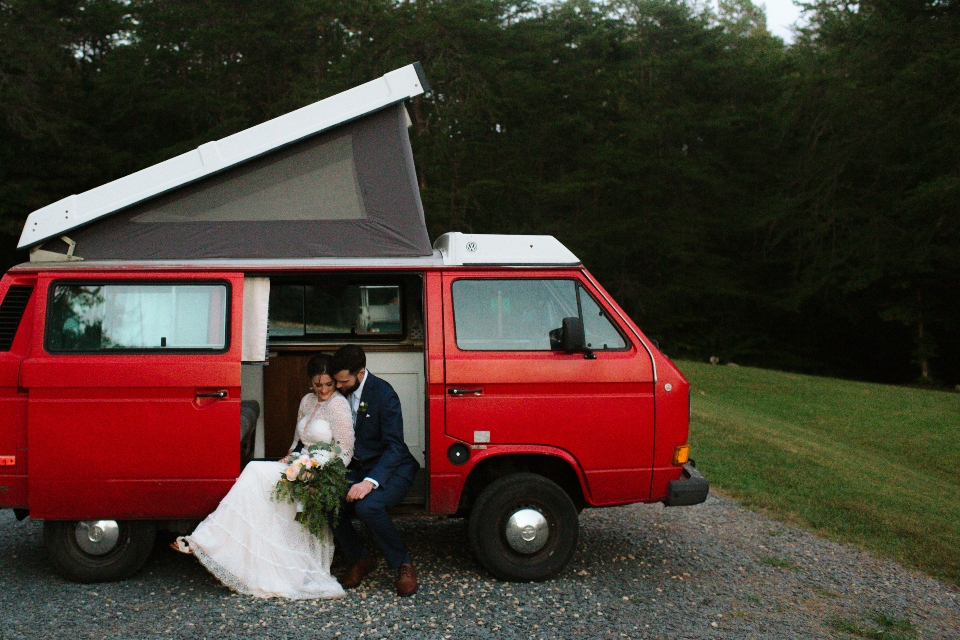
(471, 246)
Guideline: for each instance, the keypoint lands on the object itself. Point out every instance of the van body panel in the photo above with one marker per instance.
(13, 436)
(672, 407)
(136, 441)
(133, 435)
(673, 420)
(445, 490)
(13, 404)
(439, 499)
(599, 410)
(449, 480)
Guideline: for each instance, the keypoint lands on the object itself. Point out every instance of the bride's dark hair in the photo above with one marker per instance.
(319, 365)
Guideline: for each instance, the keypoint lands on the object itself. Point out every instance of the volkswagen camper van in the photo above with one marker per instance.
(144, 366)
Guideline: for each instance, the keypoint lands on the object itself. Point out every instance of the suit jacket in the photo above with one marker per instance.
(379, 445)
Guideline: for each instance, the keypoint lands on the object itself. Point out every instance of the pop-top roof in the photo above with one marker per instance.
(333, 179)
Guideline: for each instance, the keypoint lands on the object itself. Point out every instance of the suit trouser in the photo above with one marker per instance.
(372, 512)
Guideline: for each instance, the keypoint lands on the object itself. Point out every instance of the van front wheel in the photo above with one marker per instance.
(524, 527)
(98, 550)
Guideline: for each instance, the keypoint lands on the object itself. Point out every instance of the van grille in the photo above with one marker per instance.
(11, 313)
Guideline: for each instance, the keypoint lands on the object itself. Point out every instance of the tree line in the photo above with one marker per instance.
(785, 206)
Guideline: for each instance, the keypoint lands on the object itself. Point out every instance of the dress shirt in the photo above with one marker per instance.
(355, 407)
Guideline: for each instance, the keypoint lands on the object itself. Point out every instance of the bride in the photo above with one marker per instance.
(253, 544)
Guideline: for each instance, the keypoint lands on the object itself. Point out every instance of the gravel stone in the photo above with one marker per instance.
(716, 570)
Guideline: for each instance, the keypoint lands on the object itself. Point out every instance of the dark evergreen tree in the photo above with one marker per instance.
(789, 207)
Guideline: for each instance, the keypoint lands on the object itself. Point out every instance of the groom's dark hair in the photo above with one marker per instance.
(350, 357)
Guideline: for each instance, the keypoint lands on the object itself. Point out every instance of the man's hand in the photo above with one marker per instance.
(359, 491)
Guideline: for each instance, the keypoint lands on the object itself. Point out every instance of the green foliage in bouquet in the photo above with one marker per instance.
(316, 478)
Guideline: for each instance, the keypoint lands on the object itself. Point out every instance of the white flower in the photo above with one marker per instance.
(322, 457)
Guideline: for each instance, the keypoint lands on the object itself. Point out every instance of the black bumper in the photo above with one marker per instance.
(691, 488)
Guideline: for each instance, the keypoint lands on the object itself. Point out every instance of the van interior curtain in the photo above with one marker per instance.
(256, 307)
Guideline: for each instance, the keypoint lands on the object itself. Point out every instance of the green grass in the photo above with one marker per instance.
(873, 465)
(878, 627)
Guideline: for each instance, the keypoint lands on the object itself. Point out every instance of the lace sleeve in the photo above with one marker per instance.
(341, 424)
(301, 412)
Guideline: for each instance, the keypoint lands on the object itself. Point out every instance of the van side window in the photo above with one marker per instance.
(511, 315)
(116, 317)
(599, 330)
(304, 310)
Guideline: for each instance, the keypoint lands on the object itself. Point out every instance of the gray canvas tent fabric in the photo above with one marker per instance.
(348, 192)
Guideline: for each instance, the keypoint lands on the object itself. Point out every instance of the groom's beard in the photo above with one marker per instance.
(349, 390)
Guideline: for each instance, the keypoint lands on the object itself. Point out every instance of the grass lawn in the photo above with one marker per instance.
(873, 465)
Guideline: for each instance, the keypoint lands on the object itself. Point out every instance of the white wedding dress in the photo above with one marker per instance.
(253, 544)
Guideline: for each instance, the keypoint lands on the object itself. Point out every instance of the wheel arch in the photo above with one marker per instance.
(565, 472)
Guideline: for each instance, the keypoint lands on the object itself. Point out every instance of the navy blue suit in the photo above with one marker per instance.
(380, 453)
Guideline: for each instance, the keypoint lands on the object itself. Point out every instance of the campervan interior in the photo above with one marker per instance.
(317, 312)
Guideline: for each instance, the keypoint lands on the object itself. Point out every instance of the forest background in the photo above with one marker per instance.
(793, 207)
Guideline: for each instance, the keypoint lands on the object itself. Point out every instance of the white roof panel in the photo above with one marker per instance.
(491, 249)
(56, 219)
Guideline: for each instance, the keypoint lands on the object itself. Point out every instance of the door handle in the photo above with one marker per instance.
(465, 392)
(211, 394)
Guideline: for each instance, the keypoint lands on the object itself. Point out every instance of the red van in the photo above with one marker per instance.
(527, 393)
(167, 346)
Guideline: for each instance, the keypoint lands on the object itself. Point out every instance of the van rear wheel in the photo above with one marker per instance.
(524, 527)
(98, 550)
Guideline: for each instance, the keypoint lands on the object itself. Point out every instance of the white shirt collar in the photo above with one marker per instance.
(355, 398)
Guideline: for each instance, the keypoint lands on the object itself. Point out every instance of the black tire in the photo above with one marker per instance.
(133, 547)
(492, 511)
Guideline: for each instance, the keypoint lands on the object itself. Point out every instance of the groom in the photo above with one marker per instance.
(380, 473)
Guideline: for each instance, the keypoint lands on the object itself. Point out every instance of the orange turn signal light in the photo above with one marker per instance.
(8, 461)
(681, 454)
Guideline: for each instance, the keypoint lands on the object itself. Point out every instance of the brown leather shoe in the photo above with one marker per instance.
(406, 580)
(357, 572)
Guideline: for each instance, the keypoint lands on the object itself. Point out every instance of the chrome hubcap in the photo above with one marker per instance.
(97, 537)
(527, 531)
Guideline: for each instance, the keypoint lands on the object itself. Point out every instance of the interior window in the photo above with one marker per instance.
(511, 315)
(302, 310)
(600, 332)
(109, 317)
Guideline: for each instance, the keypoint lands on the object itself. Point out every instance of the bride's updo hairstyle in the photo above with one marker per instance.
(319, 365)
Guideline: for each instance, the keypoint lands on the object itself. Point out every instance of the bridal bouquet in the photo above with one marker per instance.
(315, 480)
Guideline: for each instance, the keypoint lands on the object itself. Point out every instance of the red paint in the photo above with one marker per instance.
(601, 411)
(447, 480)
(124, 436)
(13, 404)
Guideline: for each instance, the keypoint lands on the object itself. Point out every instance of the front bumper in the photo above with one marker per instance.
(691, 488)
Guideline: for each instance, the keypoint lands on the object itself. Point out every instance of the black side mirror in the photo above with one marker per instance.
(572, 338)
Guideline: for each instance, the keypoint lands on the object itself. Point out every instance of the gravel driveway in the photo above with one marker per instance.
(643, 571)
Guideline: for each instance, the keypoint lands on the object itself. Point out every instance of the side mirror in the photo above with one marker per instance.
(571, 338)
